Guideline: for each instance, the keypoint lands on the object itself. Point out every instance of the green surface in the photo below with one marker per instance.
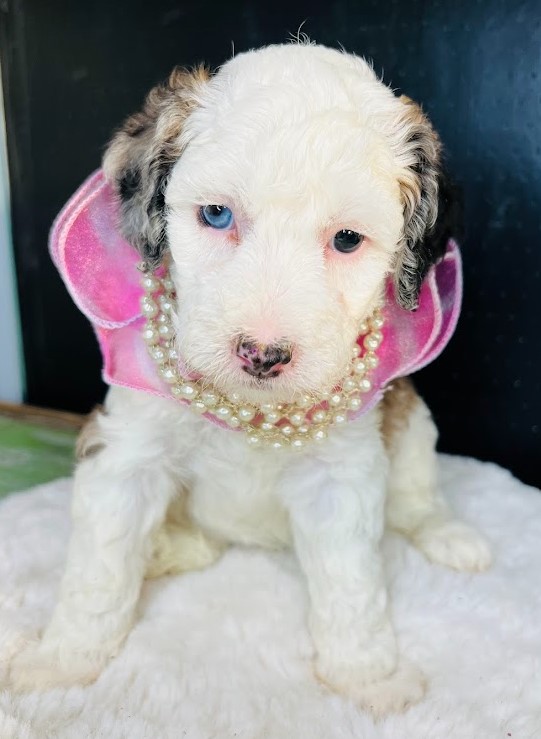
(31, 454)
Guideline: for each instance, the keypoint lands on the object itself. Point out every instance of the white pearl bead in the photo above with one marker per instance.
(222, 412)
(267, 408)
(148, 307)
(189, 390)
(173, 355)
(266, 426)
(254, 440)
(305, 401)
(373, 340)
(336, 400)
(150, 334)
(355, 351)
(303, 429)
(297, 443)
(169, 374)
(166, 330)
(365, 385)
(364, 328)
(246, 413)
(319, 416)
(349, 385)
(339, 418)
(168, 284)
(234, 422)
(377, 322)
(359, 367)
(319, 434)
(371, 361)
(165, 304)
(209, 398)
(272, 416)
(287, 430)
(158, 354)
(296, 418)
(150, 284)
(199, 406)
(278, 443)
(354, 404)
(235, 398)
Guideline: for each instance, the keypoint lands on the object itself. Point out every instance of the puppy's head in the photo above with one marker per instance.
(282, 191)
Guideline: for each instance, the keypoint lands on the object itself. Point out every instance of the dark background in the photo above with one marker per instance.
(73, 70)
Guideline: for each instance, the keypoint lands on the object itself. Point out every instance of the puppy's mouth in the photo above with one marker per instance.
(245, 370)
(261, 375)
(265, 380)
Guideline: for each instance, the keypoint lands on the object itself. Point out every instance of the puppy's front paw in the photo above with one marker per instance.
(43, 667)
(391, 694)
(453, 544)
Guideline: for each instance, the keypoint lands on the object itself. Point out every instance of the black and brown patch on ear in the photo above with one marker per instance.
(140, 156)
(432, 209)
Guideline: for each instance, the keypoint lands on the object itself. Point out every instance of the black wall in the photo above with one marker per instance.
(73, 70)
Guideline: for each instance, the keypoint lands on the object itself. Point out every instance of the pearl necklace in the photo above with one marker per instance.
(290, 425)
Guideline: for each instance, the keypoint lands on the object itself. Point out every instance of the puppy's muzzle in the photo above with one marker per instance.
(263, 361)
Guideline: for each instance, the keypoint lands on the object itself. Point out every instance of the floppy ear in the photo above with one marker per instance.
(140, 156)
(432, 210)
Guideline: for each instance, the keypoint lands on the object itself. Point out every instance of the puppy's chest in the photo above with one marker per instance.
(234, 491)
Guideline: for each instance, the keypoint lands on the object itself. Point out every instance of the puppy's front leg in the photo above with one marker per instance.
(118, 503)
(337, 512)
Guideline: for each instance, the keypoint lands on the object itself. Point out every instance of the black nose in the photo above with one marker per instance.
(263, 361)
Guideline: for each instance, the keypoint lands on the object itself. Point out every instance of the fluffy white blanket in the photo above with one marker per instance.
(225, 653)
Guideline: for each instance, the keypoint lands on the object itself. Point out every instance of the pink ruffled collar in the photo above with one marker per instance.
(100, 271)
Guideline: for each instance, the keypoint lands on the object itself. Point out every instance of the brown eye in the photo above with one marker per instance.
(346, 241)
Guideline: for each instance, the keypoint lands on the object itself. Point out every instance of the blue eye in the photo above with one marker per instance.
(216, 216)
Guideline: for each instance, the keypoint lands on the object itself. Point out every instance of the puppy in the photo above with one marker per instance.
(271, 205)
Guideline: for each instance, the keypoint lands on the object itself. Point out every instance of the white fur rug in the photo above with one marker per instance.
(225, 653)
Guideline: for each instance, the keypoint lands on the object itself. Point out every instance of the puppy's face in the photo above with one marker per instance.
(283, 191)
